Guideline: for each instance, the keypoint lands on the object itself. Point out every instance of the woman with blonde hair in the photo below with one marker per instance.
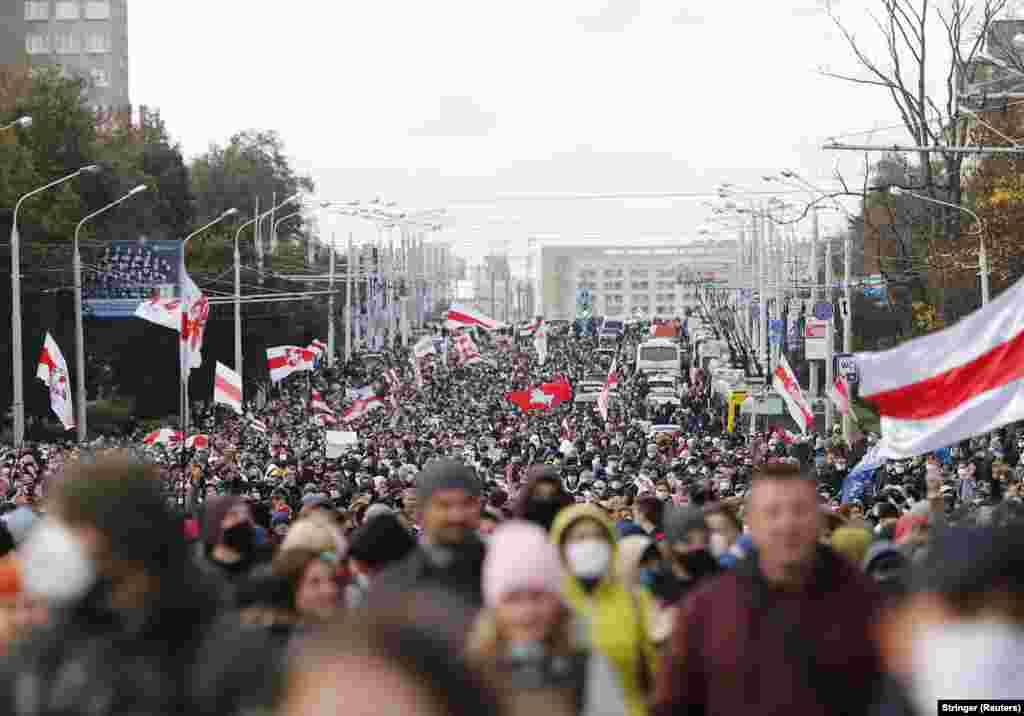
(528, 642)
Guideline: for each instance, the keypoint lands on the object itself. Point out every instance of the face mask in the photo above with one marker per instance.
(718, 545)
(840, 466)
(55, 565)
(898, 470)
(589, 558)
(973, 659)
(240, 538)
(662, 496)
(699, 563)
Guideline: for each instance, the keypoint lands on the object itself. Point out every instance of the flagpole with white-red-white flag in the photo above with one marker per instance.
(948, 386)
(53, 371)
(227, 388)
(461, 316)
(604, 398)
(785, 384)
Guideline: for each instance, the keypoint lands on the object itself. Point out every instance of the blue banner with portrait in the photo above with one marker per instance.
(125, 273)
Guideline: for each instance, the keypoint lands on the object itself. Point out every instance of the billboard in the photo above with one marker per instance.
(125, 273)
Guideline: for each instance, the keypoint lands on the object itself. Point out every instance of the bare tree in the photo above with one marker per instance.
(904, 71)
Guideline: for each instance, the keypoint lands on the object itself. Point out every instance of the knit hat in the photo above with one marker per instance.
(505, 569)
(680, 521)
(445, 474)
(380, 541)
(852, 543)
(376, 510)
(19, 522)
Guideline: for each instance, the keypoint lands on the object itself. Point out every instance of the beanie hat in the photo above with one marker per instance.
(505, 569)
(216, 510)
(381, 541)
(852, 543)
(446, 474)
(19, 522)
(376, 510)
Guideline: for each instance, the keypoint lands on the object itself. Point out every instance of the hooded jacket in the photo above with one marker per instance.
(616, 616)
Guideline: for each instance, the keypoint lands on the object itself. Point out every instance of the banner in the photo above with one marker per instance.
(128, 273)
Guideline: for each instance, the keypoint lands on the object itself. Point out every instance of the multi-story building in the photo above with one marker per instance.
(628, 280)
(87, 38)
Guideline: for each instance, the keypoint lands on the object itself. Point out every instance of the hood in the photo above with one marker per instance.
(535, 476)
(631, 551)
(571, 515)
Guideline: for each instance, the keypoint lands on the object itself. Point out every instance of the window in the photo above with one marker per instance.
(37, 10)
(613, 285)
(67, 9)
(97, 10)
(641, 285)
(666, 285)
(641, 299)
(613, 273)
(639, 272)
(65, 44)
(37, 44)
(613, 299)
(97, 43)
(100, 77)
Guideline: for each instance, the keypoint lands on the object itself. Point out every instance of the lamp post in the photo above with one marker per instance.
(238, 278)
(184, 370)
(18, 401)
(23, 122)
(79, 319)
(980, 233)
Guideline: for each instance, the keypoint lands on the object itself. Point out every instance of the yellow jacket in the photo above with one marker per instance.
(616, 616)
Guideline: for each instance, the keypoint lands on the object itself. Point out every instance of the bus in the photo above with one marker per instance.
(659, 355)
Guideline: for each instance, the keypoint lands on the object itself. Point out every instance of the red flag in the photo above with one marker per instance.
(543, 397)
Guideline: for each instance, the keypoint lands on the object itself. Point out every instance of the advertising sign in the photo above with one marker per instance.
(846, 366)
(126, 273)
(815, 339)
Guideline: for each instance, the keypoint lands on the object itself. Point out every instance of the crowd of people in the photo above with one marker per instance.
(466, 557)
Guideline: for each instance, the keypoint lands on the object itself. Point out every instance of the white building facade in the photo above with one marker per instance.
(629, 280)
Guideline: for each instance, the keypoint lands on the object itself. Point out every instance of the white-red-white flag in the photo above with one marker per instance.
(460, 316)
(258, 425)
(945, 387)
(785, 384)
(53, 371)
(604, 397)
(164, 312)
(163, 436)
(227, 388)
(391, 376)
(360, 408)
(466, 350)
(195, 311)
(839, 394)
(198, 442)
(318, 347)
(540, 342)
(282, 361)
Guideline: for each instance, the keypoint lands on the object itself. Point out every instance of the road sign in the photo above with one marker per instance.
(823, 310)
(846, 365)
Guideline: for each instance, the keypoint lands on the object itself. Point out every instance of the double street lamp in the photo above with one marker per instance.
(79, 328)
(17, 357)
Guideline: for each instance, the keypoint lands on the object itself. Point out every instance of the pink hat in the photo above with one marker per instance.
(520, 556)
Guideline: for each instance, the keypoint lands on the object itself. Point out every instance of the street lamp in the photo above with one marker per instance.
(980, 233)
(79, 328)
(23, 122)
(18, 402)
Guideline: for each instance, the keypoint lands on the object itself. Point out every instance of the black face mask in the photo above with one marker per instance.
(699, 564)
(542, 511)
(240, 538)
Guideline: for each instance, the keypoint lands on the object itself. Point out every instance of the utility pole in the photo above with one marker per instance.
(348, 299)
(330, 312)
(983, 270)
(830, 341)
(814, 387)
(763, 294)
(847, 321)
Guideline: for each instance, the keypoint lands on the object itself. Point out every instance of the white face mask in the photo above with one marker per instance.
(55, 564)
(972, 659)
(717, 545)
(589, 558)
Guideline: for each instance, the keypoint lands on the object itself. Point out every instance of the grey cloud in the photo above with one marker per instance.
(457, 117)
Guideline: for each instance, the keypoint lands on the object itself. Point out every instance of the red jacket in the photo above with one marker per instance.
(740, 647)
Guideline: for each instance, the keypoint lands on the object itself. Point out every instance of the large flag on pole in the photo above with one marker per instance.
(227, 388)
(945, 387)
(195, 310)
(605, 395)
(461, 315)
(540, 342)
(282, 361)
(164, 312)
(785, 384)
(53, 371)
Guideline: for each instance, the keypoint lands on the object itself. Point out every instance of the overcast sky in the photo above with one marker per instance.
(433, 103)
